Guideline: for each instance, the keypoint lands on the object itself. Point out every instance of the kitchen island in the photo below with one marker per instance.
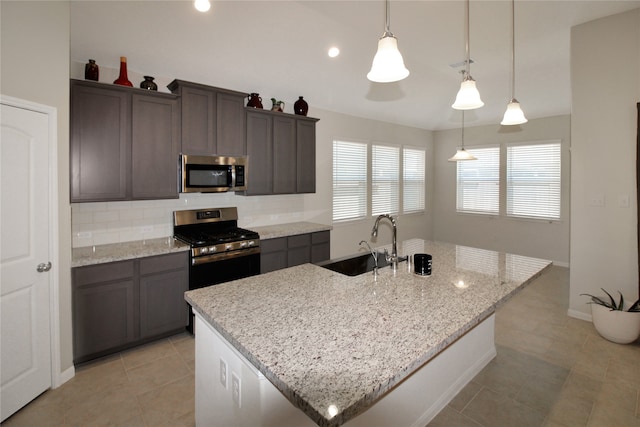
(309, 346)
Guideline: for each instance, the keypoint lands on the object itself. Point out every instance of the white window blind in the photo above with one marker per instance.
(413, 161)
(478, 188)
(533, 181)
(385, 179)
(349, 180)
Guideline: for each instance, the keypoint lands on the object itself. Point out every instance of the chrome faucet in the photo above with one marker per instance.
(393, 258)
(374, 254)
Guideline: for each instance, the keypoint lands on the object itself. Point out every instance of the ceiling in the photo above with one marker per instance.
(279, 49)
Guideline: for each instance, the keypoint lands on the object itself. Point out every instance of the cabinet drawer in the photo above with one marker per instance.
(299, 241)
(273, 245)
(160, 263)
(101, 273)
(320, 237)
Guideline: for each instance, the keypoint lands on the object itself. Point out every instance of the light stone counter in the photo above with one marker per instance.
(100, 254)
(326, 340)
(290, 229)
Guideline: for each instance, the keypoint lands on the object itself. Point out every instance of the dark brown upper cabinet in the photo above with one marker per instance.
(213, 119)
(124, 143)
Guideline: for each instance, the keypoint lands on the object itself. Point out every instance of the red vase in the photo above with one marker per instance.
(123, 79)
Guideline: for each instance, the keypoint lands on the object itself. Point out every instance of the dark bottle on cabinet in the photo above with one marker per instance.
(91, 70)
(300, 107)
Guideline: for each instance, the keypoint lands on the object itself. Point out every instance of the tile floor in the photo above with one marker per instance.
(551, 370)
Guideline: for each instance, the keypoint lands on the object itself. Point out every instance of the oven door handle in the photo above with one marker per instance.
(224, 255)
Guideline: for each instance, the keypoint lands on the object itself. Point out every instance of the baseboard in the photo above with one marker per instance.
(64, 376)
(579, 315)
(561, 264)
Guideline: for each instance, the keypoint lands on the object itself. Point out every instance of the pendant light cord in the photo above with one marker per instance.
(513, 49)
(466, 37)
(463, 129)
(387, 20)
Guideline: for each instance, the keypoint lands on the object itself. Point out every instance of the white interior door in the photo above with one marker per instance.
(24, 229)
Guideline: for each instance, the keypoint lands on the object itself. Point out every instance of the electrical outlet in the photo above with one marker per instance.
(235, 389)
(223, 373)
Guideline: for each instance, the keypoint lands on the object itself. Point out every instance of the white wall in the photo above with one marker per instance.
(35, 67)
(605, 64)
(541, 239)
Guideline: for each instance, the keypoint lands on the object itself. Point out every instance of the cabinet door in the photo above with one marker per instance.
(230, 127)
(104, 309)
(155, 147)
(284, 155)
(259, 153)
(320, 246)
(306, 157)
(299, 249)
(163, 281)
(273, 254)
(100, 144)
(198, 121)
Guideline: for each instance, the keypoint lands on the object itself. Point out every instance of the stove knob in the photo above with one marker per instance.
(227, 247)
(243, 244)
(212, 249)
(251, 243)
(204, 250)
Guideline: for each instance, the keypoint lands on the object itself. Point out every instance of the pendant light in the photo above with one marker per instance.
(514, 114)
(388, 65)
(468, 97)
(461, 153)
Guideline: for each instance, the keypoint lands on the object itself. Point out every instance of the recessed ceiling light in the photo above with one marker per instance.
(333, 52)
(202, 5)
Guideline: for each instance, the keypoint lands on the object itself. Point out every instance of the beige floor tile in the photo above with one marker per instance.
(156, 373)
(41, 416)
(539, 394)
(186, 348)
(571, 411)
(625, 373)
(607, 415)
(582, 386)
(147, 353)
(449, 417)
(104, 409)
(462, 399)
(93, 379)
(169, 402)
(492, 409)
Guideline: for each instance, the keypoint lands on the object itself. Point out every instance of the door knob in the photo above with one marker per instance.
(42, 267)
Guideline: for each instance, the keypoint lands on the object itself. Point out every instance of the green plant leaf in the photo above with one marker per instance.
(621, 304)
(635, 306)
(613, 302)
(599, 301)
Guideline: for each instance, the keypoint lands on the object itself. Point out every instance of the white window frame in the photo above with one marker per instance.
(369, 181)
(485, 205)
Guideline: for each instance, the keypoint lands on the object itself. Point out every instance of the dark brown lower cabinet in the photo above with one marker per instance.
(283, 252)
(125, 303)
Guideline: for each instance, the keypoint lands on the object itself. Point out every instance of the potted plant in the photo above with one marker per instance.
(613, 321)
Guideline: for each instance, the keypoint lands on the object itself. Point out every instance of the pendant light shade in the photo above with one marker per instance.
(388, 65)
(468, 97)
(461, 153)
(514, 114)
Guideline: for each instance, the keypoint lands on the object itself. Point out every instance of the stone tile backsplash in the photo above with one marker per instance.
(116, 222)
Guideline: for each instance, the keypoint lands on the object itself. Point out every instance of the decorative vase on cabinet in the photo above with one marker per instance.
(300, 107)
(91, 70)
(148, 83)
(123, 79)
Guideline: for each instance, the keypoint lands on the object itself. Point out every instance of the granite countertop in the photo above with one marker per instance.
(290, 229)
(100, 254)
(325, 339)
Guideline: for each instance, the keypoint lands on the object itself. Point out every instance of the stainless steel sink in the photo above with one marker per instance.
(353, 265)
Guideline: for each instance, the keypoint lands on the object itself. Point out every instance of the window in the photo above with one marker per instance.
(372, 179)
(385, 179)
(349, 180)
(479, 182)
(413, 190)
(533, 181)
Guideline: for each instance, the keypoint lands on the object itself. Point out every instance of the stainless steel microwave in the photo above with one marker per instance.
(212, 174)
